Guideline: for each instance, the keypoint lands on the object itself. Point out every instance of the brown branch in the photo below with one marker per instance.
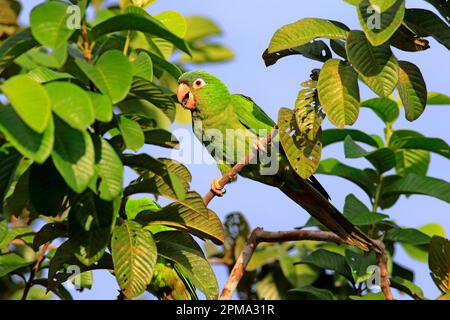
(257, 236)
(384, 273)
(229, 176)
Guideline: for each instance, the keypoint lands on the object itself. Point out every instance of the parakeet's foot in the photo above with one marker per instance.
(216, 188)
(260, 146)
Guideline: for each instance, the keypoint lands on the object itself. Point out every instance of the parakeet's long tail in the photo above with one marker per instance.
(323, 211)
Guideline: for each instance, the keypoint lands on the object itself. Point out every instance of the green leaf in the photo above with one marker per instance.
(435, 145)
(383, 159)
(332, 166)
(386, 109)
(312, 293)
(199, 27)
(180, 248)
(299, 275)
(14, 46)
(412, 90)
(131, 132)
(91, 221)
(135, 22)
(339, 92)
(162, 138)
(10, 262)
(303, 154)
(316, 50)
(188, 215)
(134, 255)
(407, 287)
(305, 30)
(330, 136)
(103, 109)
(42, 56)
(412, 161)
(407, 235)
(209, 53)
(8, 165)
(30, 101)
(329, 260)
(369, 296)
(45, 180)
(359, 214)
(34, 145)
(442, 7)
(43, 75)
(416, 184)
(176, 24)
(405, 39)
(439, 262)
(380, 18)
(109, 169)
(71, 103)
(134, 206)
(112, 74)
(425, 23)
(143, 66)
(49, 232)
(436, 98)
(172, 69)
(54, 31)
(73, 155)
(420, 253)
(143, 108)
(360, 263)
(377, 66)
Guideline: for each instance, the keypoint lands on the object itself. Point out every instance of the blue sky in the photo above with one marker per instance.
(248, 27)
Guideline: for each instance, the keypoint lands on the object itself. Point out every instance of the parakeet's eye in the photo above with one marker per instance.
(199, 83)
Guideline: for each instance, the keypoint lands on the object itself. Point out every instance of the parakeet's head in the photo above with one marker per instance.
(202, 92)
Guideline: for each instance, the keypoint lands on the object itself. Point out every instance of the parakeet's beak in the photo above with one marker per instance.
(185, 96)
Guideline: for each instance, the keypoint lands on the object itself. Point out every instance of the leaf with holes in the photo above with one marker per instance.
(134, 256)
(412, 89)
(182, 249)
(339, 92)
(377, 66)
(302, 153)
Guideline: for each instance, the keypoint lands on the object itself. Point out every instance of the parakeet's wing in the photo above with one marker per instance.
(251, 115)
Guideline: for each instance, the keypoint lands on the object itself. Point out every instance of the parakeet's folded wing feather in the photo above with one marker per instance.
(251, 115)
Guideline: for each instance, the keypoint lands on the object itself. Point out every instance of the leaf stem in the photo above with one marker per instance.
(127, 43)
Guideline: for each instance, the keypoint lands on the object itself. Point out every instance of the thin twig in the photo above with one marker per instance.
(257, 236)
(35, 270)
(87, 48)
(229, 176)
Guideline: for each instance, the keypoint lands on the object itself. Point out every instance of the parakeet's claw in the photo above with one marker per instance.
(260, 146)
(216, 188)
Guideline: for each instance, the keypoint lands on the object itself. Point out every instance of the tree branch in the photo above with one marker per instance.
(384, 274)
(87, 47)
(257, 236)
(229, 176)
(35, 269)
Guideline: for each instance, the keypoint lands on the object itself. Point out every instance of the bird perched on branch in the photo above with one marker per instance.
(232, 125)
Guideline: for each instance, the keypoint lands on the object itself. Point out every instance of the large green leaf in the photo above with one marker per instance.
(299, 275)
(303, 154)
(437, 98)
(131, 133)
(49, 24)
(176, 24)
(45, 179)
(91, 221)
(329, 260)
(8, 165)
(412, 89)
(188, 215)
(73, 155)
(134, 255)
(109, 169)
(112, 74)
(30, 101)
(426, 23)
(380, 18)
(420, 252)
(305, 30)
(377, 66)
(10, 262)
(359, 214)
(416, 184)
(44, 74)
(34, 145)
(199, 27)
(330, 136)
(154, 117)
(182, 249)
(439, 262)
(44, 57)
(339, 92)
(71, 103)
(407, 235)
(435, 145)
(332, 166)
(136, 22)
(15, 46)
(161, 137)
(103, 109)
(143, 66)
(386, 109)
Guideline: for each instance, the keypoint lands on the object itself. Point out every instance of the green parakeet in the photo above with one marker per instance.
(229, 125)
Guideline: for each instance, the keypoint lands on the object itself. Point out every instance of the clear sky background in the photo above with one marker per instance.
(248, 27)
